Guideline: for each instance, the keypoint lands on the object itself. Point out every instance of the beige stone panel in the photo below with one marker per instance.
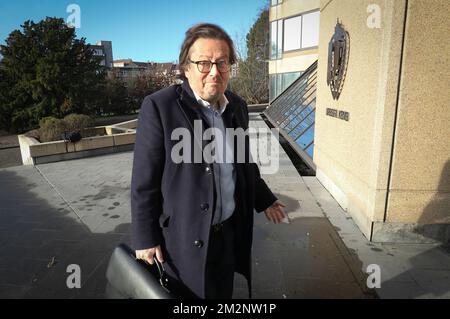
(377, 204)
(124, 139)
(348, 201)
(419, 207)
(361, 219)
(296, 53)
(422, 144)
(94, 142)
(370, 95)
(25, 143)
(292, 7)
(45, 149)
(355, 190)
(71, 147)
(109, 130)
(385, 108)
(349, 143)
(292, 64)
(361, 145)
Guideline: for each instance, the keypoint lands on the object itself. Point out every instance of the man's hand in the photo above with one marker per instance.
(275, 213)
(148, 254)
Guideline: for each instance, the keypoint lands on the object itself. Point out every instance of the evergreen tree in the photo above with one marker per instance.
(46, 71)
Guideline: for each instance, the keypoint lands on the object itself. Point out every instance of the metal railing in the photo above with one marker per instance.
(293, 112)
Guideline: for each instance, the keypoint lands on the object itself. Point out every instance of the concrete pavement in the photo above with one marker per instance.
(76, 212)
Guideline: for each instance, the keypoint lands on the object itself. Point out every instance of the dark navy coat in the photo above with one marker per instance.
(172, 204)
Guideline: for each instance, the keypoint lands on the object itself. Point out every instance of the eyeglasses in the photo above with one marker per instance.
(206, 66)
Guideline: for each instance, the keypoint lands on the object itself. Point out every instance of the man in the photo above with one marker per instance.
(197, 217)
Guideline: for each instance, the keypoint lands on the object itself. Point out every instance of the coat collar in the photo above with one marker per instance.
(187, 97)
(191, 109)
(189, 105)
(233, 116)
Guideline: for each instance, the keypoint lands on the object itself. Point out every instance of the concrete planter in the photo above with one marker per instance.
(119, 137)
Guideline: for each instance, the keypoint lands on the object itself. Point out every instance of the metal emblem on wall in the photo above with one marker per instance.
(338, 53)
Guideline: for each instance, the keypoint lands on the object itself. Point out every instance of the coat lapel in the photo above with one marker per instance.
(189, 105)
(190, 109)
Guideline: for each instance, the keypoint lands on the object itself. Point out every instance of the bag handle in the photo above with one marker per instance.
(163, 280)
(162, 273)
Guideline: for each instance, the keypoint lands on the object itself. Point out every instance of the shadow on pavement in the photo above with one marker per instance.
(428, 269)
(40, 236)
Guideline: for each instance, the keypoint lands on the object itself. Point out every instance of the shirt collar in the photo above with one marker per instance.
(223, 102)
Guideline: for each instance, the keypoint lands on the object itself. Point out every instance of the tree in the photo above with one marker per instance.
(46, 71)
(253, 71)
(115, 98)
(147, 84)
(142, 86)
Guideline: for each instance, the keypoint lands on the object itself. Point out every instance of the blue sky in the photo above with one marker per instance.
(143, 30)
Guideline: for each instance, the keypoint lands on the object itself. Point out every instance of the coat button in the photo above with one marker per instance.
(198, 243)
(204, 207)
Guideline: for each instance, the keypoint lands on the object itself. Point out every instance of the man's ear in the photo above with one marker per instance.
(186, 70)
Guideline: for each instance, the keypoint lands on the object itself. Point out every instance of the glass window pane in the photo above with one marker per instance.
(310, 150)
(299, 129)
(294, 110)
(279, 78)
(306, 138)
(289, 78)
(280, 37)
(273, 40)
(310, 31)
(273, 85)
(292, 33)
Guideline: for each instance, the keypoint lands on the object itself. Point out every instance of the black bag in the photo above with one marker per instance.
(131, 278)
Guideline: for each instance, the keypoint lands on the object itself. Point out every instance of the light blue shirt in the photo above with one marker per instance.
(224, 173)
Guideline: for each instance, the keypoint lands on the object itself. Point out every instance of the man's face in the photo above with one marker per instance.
(209, 86)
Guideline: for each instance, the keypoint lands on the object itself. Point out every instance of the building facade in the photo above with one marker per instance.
(104, 50)
(375, 110)
(294, 40)
(128, 70)
(387, 161)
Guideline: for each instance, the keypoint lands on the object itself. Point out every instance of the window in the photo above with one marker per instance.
(288, 79)
(280, 39)
(273, 40)
(301, 32)
(273, 87)
(280, 82)
(276, 48)
(275, 2)
(292, 32)
(310, 30)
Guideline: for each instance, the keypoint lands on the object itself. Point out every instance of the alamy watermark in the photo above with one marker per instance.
(74, 19)
(214, 146)
(374, 19)
(374, 278)
(74, 279)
